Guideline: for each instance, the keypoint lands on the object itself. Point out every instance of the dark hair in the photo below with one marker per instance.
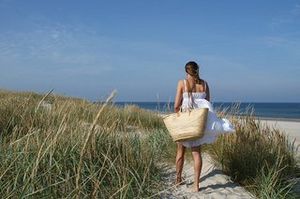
(192, 69)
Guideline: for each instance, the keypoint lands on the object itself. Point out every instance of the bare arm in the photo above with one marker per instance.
(207, 92)
(178, 98)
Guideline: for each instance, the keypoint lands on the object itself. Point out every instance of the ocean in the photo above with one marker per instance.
(263, 110)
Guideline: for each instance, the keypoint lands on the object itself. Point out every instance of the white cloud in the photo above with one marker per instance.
(50, 44)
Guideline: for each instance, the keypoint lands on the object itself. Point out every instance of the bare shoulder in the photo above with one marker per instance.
(180, 81)
(180, 84)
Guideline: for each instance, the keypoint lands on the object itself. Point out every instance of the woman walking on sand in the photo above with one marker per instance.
(194, 92)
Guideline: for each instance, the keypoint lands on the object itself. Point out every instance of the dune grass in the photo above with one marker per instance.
(78, 149)
(258, 156)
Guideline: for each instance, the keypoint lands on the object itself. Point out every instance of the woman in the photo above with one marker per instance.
(194, 92)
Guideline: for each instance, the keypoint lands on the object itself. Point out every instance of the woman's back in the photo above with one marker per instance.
(191, 86)
(193, 99)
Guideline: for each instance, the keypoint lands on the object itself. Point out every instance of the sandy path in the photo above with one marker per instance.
(213, 183)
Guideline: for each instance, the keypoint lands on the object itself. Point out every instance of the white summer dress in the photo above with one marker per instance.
(214, 126)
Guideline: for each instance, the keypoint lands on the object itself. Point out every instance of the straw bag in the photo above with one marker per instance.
(188, 125)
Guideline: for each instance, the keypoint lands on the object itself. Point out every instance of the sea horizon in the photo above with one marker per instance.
(276, 110)
(212, 102)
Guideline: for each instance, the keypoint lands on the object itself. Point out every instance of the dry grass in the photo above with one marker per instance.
(78, 149)
(65, 147)
(257, 156)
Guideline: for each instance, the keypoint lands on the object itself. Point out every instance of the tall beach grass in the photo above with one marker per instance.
(258, 156)
(78, 149)
(62, 147)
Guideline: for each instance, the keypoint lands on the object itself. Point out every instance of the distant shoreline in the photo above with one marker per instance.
(265, 111)
(279, 119)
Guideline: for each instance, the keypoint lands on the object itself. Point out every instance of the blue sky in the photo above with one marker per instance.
(248, 51)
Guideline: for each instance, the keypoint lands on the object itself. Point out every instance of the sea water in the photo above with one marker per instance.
(265, 110)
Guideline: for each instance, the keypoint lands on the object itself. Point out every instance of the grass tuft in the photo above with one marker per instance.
(257, 156)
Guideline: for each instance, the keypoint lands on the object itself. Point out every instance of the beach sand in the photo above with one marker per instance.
(215, 184)
(290, 128)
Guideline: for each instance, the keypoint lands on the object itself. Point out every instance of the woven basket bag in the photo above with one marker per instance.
(189, 125)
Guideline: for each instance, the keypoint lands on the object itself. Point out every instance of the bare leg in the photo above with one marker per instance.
(196, 151)
(179, 162)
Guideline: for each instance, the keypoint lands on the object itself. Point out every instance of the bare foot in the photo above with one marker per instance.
(196, 188)
(179, 182)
